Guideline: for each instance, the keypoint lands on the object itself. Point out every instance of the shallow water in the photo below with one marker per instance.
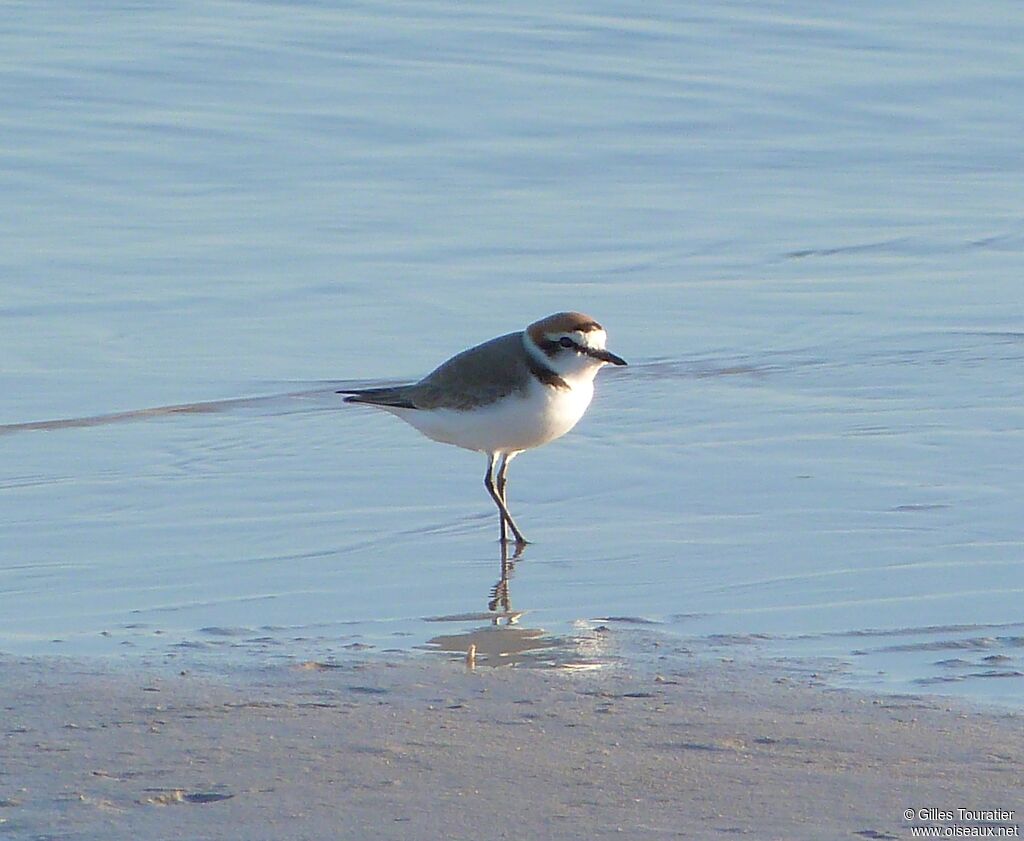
(801, 225)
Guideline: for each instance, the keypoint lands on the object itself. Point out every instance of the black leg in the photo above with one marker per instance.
(502, 479)
(498, 495)
(500, 483)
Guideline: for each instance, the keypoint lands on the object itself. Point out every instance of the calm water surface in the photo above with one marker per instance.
(800, 222)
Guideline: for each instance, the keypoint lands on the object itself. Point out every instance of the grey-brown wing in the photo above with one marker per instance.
(477, 376)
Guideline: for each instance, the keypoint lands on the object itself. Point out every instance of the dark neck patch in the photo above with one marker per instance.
(543, 373)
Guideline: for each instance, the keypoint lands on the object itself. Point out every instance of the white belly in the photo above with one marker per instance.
(508, 425)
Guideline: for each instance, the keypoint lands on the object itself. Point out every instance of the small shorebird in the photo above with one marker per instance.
(510, 394)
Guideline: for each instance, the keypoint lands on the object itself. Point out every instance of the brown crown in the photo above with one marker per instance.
(562, 322)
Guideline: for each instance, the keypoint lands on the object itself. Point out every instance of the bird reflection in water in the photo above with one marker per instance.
(501, 603)
(502, 641)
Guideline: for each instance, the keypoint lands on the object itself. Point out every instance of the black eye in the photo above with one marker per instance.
(565, 341)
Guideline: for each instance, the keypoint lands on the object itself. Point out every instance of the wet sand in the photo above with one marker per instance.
(427, 749)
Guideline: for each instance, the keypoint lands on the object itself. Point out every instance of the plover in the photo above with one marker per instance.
(510, 394)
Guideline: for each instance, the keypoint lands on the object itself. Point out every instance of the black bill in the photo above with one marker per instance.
(605, 356)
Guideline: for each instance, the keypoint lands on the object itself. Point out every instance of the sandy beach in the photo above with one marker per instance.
(421, 748)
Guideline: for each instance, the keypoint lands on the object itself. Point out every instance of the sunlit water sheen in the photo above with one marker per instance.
(802, 225)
